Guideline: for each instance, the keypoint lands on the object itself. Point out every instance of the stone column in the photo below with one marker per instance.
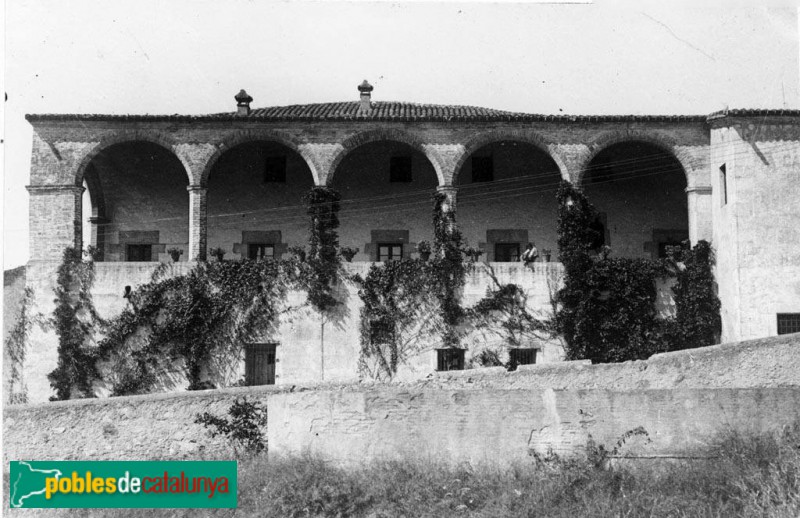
(698, 199)
(198, 222)
(449, 205)
(99, 236)
(55, 220)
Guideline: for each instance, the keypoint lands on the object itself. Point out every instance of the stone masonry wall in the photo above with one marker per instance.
(309, 349)
(757, 231)
(684, 401)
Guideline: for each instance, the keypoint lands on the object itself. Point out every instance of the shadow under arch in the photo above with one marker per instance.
(269, 136)
(254, 204)
(639, 189)
(354, 142)
(508, 135)
(129, 137)
(664, 143)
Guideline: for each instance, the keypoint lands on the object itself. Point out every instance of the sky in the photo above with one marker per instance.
(192, 57)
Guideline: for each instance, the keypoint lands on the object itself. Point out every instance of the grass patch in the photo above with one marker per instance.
(745, 477)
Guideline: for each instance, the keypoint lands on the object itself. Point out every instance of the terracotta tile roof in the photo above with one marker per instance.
(754, 113)
(402, 112)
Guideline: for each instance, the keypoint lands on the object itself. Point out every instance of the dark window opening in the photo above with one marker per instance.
(259, 364)
(140, 253)
(400, 169)
(662, 248)
(788, 323)
(598, 228)
(482, 169)
(723, 183)
(381, 330)
(390, 251)
(506, 252)
(521, 357)
(275, 169)
(260, 251)
(450, 359)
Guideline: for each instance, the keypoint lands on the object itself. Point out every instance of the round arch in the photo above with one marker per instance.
(123, 137)
(662, 142)
(387, 134)
(244, 137)
(508, 135)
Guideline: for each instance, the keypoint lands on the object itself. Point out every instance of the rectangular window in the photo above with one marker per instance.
(400, 169)
(662, 247)
(390, 251)
(723, 185)
(522, 357)
(260, 251)
(259, 364)
(506, 252)
(450, 359)
(381, 330)
(788, 323)
(482, 169)
(275, 169)
(139, 253)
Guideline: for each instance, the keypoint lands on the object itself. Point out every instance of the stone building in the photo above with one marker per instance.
(234, 180)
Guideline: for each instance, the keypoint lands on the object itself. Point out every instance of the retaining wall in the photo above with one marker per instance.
(683, 400)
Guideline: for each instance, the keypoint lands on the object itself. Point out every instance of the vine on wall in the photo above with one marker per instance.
(698, 318)
(199, 320)
(74, 320)
(323, 256)
(194, 319)
(16, 347)
(607, 310)
(408, 303)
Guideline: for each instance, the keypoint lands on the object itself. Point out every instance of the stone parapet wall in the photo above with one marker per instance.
(505, 426)
(683, 400)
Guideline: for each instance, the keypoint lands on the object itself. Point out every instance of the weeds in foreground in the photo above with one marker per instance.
(743, 477)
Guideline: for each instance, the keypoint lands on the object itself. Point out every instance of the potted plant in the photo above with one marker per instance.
(348, 253)
(473, 253)
(546, 252)
(175, 254)
(217, 252)
(424, 250)
(298, 252)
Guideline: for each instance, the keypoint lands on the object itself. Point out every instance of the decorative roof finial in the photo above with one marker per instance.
(365, 88)
(243, 102)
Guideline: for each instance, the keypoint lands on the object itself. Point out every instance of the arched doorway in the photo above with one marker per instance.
(639, 190)
(138, 206)
(506, 199)
(255, 207)
(386, 189)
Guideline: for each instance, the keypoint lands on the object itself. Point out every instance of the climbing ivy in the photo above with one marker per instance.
(397, 308)
(449, 270)
(16, 347)
(74, 320)
(697, 306)
(607, 306)
(323, 257)
(194, 319)
(198, 320)
(411, 298)
(505, 312)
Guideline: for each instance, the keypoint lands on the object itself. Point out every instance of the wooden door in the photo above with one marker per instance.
(259, 362)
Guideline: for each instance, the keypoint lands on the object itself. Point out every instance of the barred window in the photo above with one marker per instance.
(522, 357)
(788, 323)
(450, 359)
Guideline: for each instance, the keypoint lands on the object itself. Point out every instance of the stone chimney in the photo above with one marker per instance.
(243, 103)
(365, 88)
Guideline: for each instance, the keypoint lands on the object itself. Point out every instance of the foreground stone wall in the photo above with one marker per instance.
(502, 426)
(683, 400)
